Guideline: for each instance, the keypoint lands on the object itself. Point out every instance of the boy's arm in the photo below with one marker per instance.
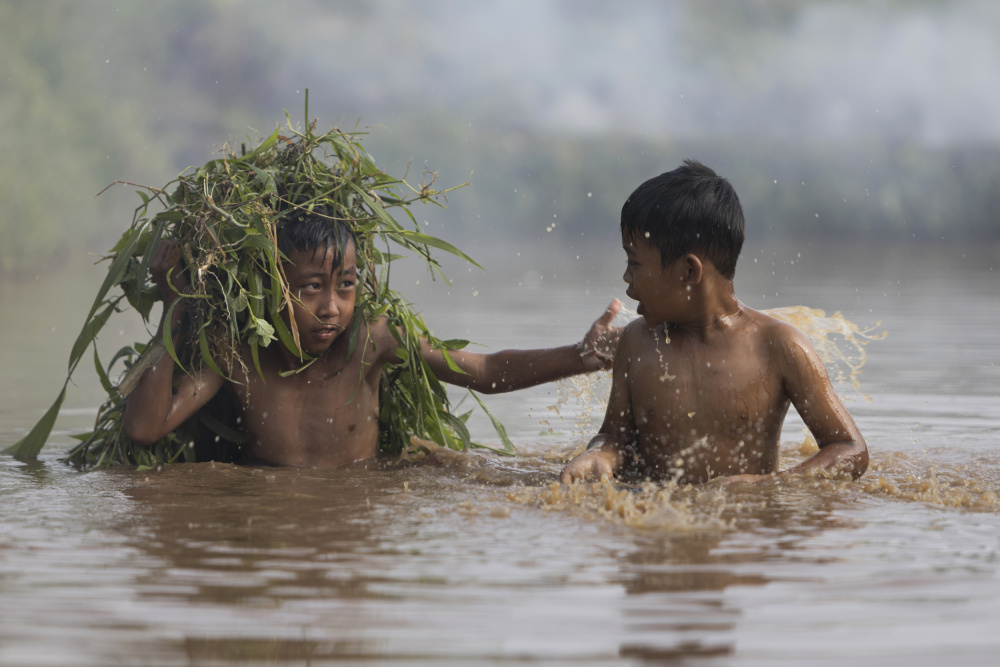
(605, 452)
(153, 408)
(508, 370)
(841, 446)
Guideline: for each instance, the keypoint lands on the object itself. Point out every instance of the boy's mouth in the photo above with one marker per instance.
(632, 296)
(328, 330)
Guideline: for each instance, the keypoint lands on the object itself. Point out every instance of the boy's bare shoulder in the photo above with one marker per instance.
(780, 336)
(634, 335)
(379, 335)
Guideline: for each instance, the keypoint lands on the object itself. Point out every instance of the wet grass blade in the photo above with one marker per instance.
(28, 447)
(508, 446)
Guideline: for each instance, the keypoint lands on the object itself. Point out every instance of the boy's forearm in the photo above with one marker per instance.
(847, 457)
(509, 370)
(149, 404)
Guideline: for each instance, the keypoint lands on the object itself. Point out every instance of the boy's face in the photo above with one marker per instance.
(323, 297)
(650, 283)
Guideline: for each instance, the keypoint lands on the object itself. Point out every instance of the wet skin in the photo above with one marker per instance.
(327, 413)
(702, 384)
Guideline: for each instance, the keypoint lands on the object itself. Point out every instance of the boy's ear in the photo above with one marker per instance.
(692, 269)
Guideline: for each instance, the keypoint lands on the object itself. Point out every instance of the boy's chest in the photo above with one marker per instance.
(702, 390)
(316, 417)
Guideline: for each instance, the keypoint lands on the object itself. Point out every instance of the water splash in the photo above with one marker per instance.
(649, 506)
(973, 486)
(839, 342)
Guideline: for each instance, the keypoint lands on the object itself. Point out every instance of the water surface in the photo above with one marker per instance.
(476, 559)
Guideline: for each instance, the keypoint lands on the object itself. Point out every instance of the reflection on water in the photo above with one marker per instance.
(477, 559)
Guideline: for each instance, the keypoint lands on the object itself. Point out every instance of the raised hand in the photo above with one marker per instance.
(597, 349)
(166, 257)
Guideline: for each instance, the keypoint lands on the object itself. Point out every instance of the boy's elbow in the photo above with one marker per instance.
(490, 377)
(139, 431)
(487, 387)
(859, 459)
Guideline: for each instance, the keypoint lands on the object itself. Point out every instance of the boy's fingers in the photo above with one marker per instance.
(611, 312)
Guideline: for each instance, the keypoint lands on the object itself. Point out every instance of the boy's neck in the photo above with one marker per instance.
(288, 360)
(714, 309)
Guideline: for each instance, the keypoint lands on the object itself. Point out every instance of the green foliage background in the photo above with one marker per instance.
(102, 90)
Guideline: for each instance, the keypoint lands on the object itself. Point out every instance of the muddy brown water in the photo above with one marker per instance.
(477, 559)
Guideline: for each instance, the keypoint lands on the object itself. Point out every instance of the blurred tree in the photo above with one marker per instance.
(96, 92)
(105, 90)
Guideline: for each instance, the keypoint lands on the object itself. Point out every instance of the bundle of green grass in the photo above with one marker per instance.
(223, 216)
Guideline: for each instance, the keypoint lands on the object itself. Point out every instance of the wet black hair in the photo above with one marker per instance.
(314, 232)
(688, 209)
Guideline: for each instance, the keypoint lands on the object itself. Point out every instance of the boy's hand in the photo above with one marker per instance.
(592, 464)
(166, 257)
(597, 349)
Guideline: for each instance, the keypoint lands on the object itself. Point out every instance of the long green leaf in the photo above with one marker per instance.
(501, 430)
(87, 335)
(115, 272)
(101, 375)
(435, 242)
(458, 426)
(28, 447)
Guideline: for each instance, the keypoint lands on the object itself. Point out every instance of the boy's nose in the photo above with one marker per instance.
(329, 307)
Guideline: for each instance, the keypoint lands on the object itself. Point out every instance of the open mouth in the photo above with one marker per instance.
(328, 330)
(632, 296)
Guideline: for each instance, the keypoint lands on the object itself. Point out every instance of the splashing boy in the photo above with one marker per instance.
(701, 383)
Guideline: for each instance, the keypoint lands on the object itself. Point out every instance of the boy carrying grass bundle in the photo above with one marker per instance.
(326, 413)
(281, 340)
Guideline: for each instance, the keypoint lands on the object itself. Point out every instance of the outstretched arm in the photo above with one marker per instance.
(153, 408)
(508, 370)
